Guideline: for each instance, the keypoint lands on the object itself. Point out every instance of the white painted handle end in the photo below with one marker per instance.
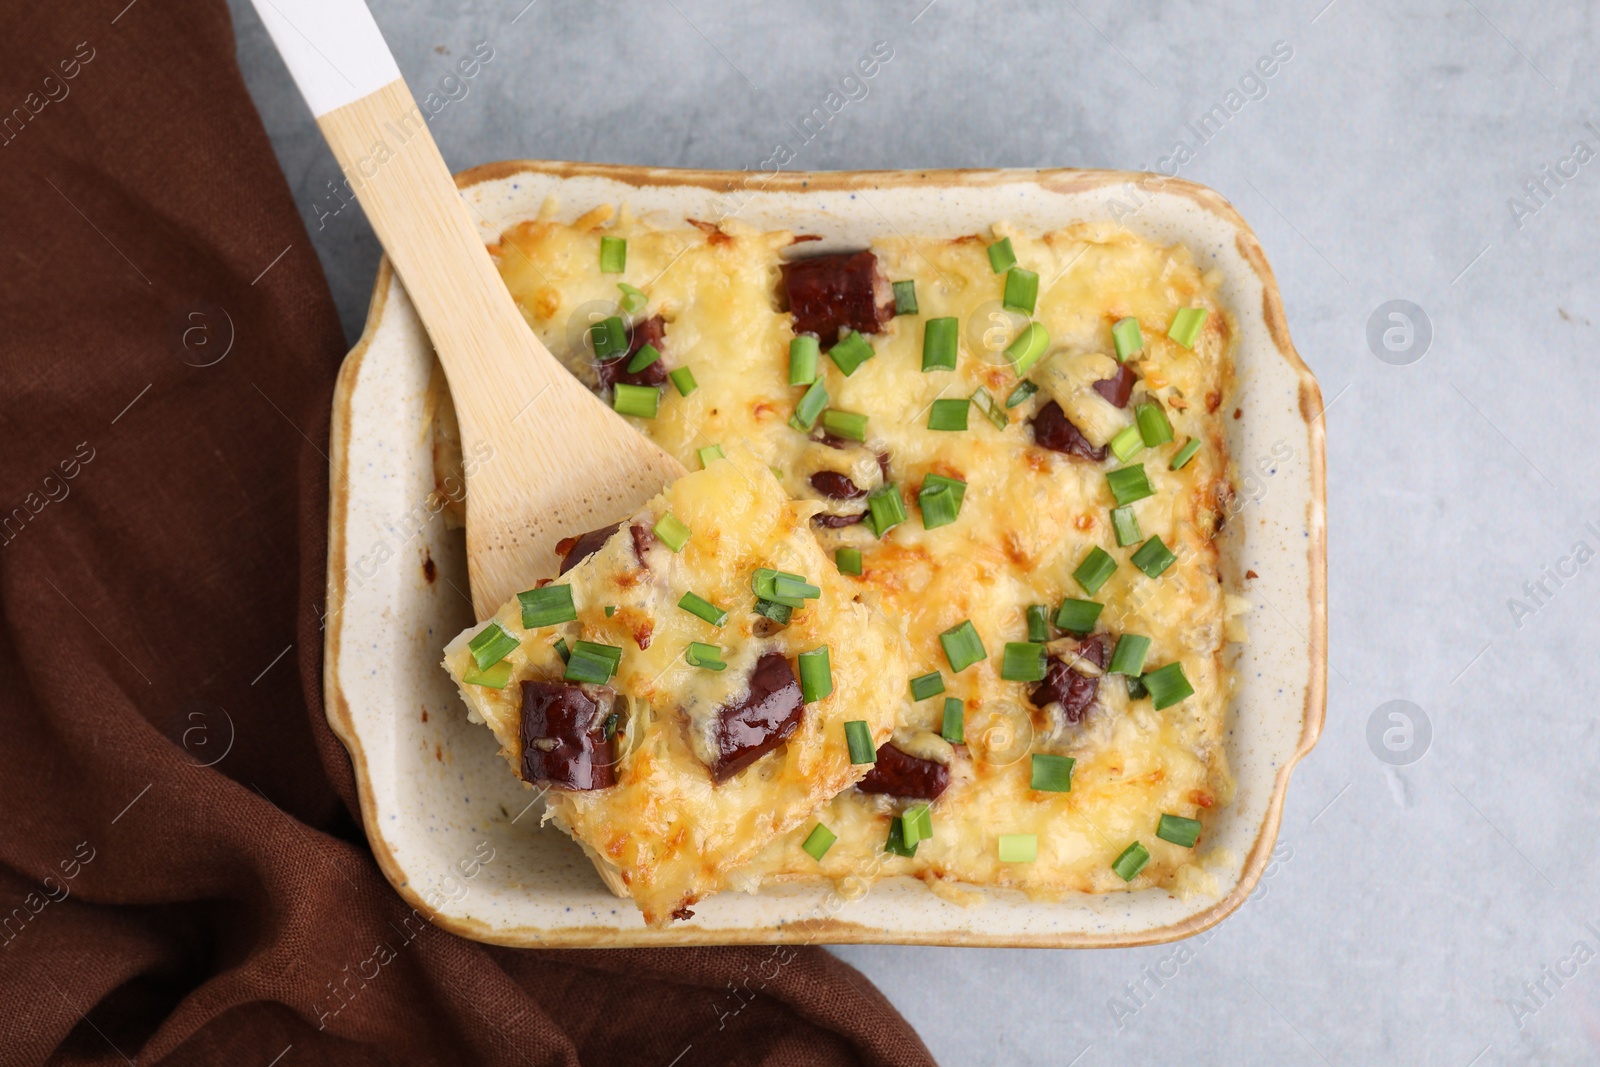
(333, 48)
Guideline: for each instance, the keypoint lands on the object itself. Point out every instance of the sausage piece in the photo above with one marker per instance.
(837, 486)
(612, 371)
(1119, 386)
(762, 720)
(574, 550)
(563, 734)
(900, 775)
(828, 293)
(1053, 430)
(1074, 692)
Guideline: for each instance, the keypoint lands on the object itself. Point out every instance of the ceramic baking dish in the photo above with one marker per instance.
(455, 833)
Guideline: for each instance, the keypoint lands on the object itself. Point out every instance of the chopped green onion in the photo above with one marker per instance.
(700, 654)
(962, 646)
(956, 486)
(1129, 657)
(846, 424)
(709, 453)
(1129, 483)
(611, 609)
(858, 739)
(953, 727)
(1025, 351)
(927, 685)
(610, 337)
(885, 509)
(810, 406)
(1186, 326)
(803, 352)
(1131, 862)
(1125, 524)
(613, 255)
(562, 650)
(917, 824)
(782, 587)
(646, 355)
(816, 674)
(547, 606)
(1022, 291)
(905, 297)
(1178, 830)
(939, 505)
(683, 380)
(609, 729)
(1021, 393)
(592, 662)
(673, 533)
(632, 299)
(852, 350)
(490, 645)
(848, 560)
(1022, 661)
(1094, 570)
(1001, 257)
(1153, 557)
(897, 839)
(939, 344)
(1051, 774)
(986, 404)
(778, 613)
(1185, 454)
(1019, 848)
(1127, 443)
(949, 414)
(818, 841)
(1038, 623)
(1136, 689)
(638, 400)
(1167, 685)
(1078, 616)
(1153, 424)
(701, 608)
(495, 677)
(1126, 336)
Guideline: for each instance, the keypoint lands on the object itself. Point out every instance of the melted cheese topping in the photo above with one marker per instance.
(1028, 518)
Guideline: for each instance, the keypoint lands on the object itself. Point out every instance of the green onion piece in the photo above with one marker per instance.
(709, 453)
(819, 841)
(803, 353)
(778, 613)
(917, 824)
(547, 606)
(592, 662)
(949, 414)
(1185, 454)
(490, 645)
(1051, 774)
(646, 355)
(673, 533)
(1129, 484)
(562, 650)
(1129, 657)
(611, 609)
(1126, 336)
(613, 255)
(1127, 443)
(994, 412)
(701, 608)
(788, 588)
(1019, 848)
(632, 299)
(1178, 830)
(1025, 351)
(610, 337)
(1186, 325)
(1038, 623)
(1022, 291)
(1131, 862)
(1136, 689)
(1094, 570)
(1022, 661)
(846, 424)
(938, 504)
(927, 685)
(905, 297)
(1001, 257)
(955, 485)
(816, 674)
(638, 400)
(1153, 424)
(1125, 524)
(609, 729)
(848, 560)
(1153, 557)
(962, 646)
(810, 406)
(1167, 685)
(495, 677)
(897, 839)
(858, 738)
(852, 350)
(683, 380)
(885, 509)
(1021, 393)
(939, 344)
(1078, 616)
(700, 654)
(953, 728)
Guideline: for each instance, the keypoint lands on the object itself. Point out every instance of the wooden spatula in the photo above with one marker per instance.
(560, 462)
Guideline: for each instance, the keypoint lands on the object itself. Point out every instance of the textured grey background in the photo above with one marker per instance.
(1410, 905)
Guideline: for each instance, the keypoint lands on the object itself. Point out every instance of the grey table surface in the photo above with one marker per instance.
(1433, 901)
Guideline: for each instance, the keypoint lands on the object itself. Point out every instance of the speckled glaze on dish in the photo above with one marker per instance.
(459, 837)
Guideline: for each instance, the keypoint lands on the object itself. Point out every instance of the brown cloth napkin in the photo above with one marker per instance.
(182, 874)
